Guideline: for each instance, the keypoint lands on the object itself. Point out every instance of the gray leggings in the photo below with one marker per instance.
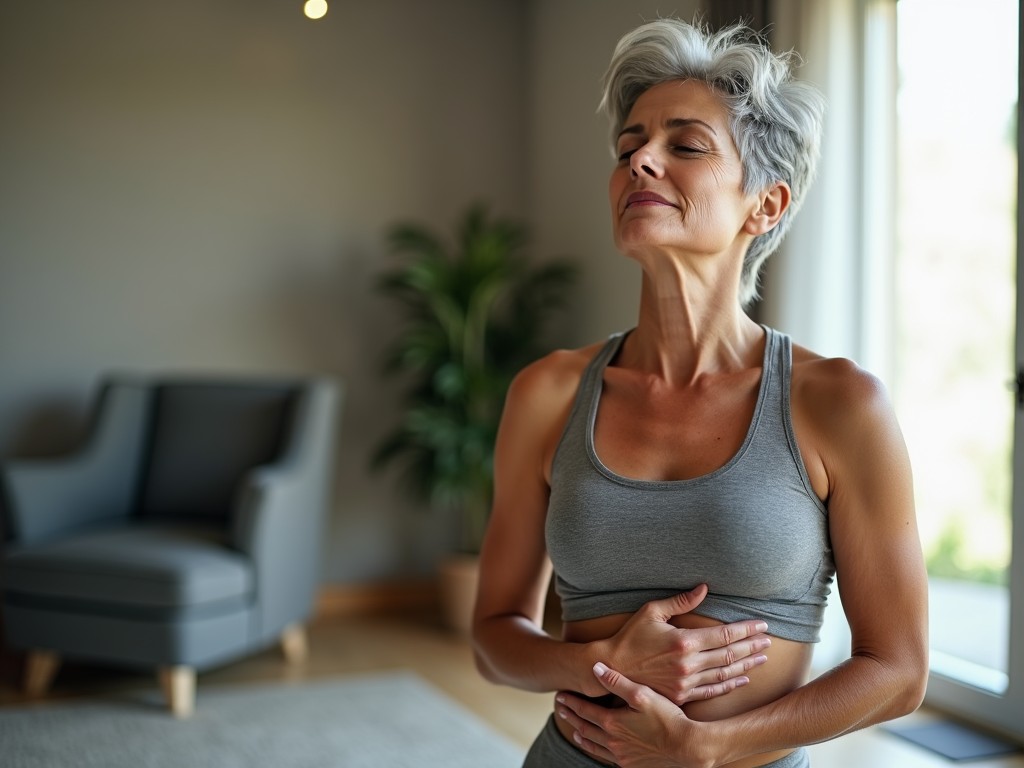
(551, 750)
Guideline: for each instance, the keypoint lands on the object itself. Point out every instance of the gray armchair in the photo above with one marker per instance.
(185, 533)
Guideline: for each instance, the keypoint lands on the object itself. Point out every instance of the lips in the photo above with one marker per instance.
(644, 197)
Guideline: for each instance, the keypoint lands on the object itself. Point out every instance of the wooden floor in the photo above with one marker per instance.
(347, 645)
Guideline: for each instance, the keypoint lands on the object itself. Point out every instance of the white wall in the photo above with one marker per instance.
(206, 185)
(830, 285)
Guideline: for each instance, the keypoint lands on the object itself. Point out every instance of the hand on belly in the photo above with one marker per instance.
(786, 667)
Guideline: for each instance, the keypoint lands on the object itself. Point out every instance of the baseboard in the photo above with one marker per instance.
(368, 599)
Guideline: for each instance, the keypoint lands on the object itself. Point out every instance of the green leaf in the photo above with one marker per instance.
(473, 315)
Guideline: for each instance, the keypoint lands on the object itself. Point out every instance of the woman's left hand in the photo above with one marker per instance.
(649, 732)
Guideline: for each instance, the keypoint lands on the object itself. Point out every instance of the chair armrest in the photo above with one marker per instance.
(281, 510)
(97, 482)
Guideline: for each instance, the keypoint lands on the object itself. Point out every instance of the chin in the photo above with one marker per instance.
(641, 234)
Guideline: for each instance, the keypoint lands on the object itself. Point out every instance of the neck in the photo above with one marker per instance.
(689, 327)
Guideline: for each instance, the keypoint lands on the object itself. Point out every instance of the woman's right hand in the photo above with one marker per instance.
(686, 664)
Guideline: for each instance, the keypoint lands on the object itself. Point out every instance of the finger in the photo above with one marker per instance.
(714, 681)
(592, 748)
(677, 605)
(588, 735)
(581, 708)
(730, 671)
(587, 730)
(740, 656)
(635, 695)
(731, 638)
(710, 691)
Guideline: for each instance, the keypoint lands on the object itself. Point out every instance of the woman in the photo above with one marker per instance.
(701, 451)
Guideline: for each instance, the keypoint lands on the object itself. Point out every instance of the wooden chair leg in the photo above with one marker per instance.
(294, 644)
(40, 669)
(179, 686)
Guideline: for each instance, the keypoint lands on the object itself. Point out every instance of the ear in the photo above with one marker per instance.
(773, 203)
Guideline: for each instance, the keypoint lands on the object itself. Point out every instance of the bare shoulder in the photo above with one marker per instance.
(552, 379)
(836, 391)
(537, 407)
(845, 423)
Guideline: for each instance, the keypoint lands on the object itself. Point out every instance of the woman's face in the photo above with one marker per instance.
(678, 180)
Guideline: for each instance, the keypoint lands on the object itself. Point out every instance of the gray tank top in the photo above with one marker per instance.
(753, 530)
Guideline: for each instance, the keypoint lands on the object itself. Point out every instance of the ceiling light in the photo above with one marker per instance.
(315, 9)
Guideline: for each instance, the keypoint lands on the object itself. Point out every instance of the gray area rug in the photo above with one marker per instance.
(375, 721)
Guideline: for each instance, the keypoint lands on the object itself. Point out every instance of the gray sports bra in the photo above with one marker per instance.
(753, 530)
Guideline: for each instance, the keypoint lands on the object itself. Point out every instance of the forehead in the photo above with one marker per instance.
(690, 99)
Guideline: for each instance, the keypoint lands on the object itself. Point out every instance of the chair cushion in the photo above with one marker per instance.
(204, 438)
(152, 570)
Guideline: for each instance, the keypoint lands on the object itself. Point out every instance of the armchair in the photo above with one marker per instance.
(183, 534)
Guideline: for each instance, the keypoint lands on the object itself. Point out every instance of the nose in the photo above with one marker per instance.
(645, 162)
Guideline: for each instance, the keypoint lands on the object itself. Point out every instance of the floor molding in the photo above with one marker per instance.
(365, 599)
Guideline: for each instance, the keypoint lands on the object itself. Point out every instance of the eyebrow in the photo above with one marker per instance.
(675, 122)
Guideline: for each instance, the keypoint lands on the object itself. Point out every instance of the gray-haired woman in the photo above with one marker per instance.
(701, 451)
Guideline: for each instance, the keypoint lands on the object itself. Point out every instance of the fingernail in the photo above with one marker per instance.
(761, 626)
(577, 738)
(600, 669)
(764, 643)
(563, 714)
(742, 681)
(760, 659)
(560, 699)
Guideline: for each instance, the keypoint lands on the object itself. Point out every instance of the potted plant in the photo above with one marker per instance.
(474, 311)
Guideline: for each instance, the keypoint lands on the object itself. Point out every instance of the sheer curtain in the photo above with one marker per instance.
(830, 284)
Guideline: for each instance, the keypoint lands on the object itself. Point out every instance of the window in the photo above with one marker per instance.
(954, 333)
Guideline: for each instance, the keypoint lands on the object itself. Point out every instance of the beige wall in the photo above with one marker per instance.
(206, 186)
(570, 155)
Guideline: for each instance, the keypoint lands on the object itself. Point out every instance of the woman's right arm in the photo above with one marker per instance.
(510, 644)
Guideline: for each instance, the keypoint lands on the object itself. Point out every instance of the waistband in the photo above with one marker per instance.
(551, 750)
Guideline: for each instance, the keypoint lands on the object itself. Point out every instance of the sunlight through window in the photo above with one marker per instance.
(955, 314)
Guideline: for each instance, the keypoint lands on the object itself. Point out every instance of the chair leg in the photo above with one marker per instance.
(179, 686)
(294, 644)
(40, 669)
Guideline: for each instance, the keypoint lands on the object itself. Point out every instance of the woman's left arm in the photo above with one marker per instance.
(853, 437)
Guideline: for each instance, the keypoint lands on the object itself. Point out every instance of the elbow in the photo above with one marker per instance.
(910, 697)
(483, 666)
(913, 685)
(916, 691)
(901, 681)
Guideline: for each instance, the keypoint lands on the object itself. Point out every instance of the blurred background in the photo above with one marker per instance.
(206, 186)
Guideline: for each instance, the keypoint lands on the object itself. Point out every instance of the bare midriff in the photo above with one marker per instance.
(786, 669)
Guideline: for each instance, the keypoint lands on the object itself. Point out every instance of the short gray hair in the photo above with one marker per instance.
(776, 121)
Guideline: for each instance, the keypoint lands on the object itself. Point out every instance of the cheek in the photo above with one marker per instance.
(617, 182)
(616, 188)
